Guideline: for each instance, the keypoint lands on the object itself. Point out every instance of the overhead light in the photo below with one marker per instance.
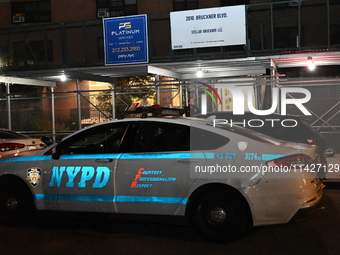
(310, 63)
(199, 73)
(63, 77)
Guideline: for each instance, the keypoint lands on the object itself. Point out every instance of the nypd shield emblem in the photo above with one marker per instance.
(242, 145)
(33, 176)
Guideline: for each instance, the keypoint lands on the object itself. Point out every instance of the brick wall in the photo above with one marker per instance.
(5, 15)
(75, 10)
(154, 6)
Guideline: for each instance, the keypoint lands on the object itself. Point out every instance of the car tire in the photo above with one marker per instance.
(219, 215)
(16, 203)
(330, 152)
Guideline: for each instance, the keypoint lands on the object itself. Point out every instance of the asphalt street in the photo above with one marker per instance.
(315, 232)
(333, 176)
(312, 232)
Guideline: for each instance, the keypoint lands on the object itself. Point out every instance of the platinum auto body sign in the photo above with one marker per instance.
(211, 27)
(125, 40)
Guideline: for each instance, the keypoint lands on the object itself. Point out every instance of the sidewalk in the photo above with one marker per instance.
(333, 176)
(333, 168)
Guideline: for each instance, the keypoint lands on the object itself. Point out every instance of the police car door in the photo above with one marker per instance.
(84, 166)
(155, 177)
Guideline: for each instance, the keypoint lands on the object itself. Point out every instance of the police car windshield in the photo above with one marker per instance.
(246, 132)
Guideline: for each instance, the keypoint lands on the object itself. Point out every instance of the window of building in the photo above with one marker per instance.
(114, 8)
(31, 12)
(233, 2)
(180, 5)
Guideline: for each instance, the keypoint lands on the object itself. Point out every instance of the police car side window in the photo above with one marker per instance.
(158, 137)
(205, 140)
(101, 139)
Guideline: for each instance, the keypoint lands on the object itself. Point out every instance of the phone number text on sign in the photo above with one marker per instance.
(126, 49)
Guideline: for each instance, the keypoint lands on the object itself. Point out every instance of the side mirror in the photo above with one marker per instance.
(46, 140)
(55, 156)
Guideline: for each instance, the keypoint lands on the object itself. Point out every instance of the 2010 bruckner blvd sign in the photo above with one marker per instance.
(210, 27)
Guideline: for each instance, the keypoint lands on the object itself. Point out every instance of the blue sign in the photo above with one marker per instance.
(125, 40)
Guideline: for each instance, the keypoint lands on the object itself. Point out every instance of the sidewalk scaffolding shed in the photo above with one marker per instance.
(16, 100)
(42, 108)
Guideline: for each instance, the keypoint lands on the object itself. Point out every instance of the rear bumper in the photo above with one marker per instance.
(316, 198)
(276, 201)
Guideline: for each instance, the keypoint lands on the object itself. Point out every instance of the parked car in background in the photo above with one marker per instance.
(13, 144)
(282, 129)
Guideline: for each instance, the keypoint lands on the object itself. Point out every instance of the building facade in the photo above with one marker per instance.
(60, 33)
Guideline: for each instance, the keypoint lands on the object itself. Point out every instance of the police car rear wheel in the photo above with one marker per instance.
(16, 203)
(219, 215)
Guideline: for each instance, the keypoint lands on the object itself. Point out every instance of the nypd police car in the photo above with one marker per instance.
(223, 179)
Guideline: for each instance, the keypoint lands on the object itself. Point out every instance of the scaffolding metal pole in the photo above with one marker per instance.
(8, 99)
(53, 115)
(274, 81)
(78, 104)
(157, 89)
(328, 26)
(113, 102)
(180, 96)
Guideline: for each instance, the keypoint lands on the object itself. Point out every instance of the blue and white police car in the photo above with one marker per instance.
(223, 179)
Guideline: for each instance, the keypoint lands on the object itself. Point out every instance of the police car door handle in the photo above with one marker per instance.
(104, 160)
(187, 161)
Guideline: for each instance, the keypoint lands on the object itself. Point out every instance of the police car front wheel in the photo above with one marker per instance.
(16, 203)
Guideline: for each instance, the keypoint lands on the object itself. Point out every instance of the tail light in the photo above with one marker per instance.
(314, 141)
(11, 146)
(298, 160)
(156, 106)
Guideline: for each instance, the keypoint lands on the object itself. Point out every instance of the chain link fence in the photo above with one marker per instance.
(325, 108)
(56, 112)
